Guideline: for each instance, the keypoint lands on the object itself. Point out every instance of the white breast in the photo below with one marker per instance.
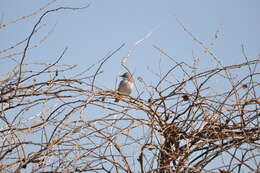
(125, 87)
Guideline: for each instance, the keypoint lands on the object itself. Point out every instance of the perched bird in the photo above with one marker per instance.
(126, 85)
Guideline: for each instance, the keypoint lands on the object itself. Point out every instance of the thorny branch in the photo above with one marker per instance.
(60, 123)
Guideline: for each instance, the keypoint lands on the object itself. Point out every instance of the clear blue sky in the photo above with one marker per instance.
(93, 33)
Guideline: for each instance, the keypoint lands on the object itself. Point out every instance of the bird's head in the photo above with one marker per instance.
(126, 75)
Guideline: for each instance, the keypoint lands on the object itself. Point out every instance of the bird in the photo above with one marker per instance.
(126, 85)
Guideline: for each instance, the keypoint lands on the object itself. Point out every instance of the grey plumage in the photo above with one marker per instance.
(126, 85)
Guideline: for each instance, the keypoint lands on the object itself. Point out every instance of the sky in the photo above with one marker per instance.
(93, 33)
